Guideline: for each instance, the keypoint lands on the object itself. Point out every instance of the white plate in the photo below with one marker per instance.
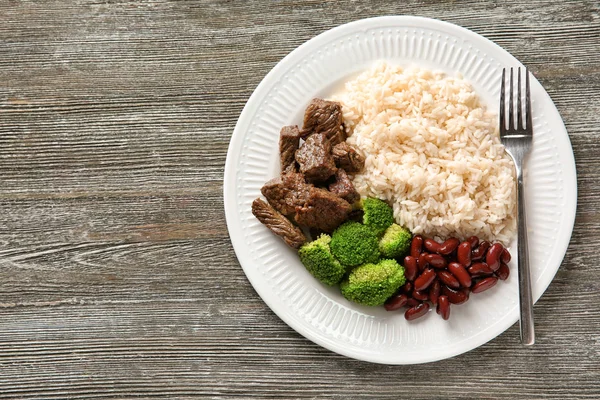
(320, 313)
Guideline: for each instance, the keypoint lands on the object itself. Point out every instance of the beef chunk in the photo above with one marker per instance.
(291, 168)
(343, 187)
(315, 159)
(323, 210)
(347, 157)
(289, 140)
(322, 116)
(278, 224)
(286, 192)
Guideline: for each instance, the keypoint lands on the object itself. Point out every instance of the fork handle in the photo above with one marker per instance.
(525, 297)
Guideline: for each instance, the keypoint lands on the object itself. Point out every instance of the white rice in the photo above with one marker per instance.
(432, 151)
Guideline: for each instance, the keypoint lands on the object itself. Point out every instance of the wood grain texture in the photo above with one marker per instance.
(117, 277)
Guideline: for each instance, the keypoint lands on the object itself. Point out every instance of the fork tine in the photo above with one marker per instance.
(519, 108)
(502, 104)
(528, 103)
(511, 118)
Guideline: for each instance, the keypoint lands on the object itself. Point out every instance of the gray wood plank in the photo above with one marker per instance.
(117, 277)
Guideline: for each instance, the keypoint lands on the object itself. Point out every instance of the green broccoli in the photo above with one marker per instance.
(353, 244)
(373, 284)
(378, 215)
(395, 241)
(318, 260)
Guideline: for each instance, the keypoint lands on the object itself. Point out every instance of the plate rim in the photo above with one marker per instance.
(229, 186)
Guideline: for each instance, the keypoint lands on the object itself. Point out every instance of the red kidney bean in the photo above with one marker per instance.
(484, 284)
(422, 261)
(424, 280)
(421, 296)
(407, 288)
(460, 273)
(454, 296)
(410, 268)
(443, 307)
(412, 302)
(466, 292)
(479, 252)
(396, 302)
(463, 254)
(441, 248)
(449, 246)
(448, 279)
(474, 241)
(416, 311)
(480, 269)
(436, 260)
(503, 272)
(434, 292)
(505, 257)
(431, 245)
(416, 246)
(492, 257)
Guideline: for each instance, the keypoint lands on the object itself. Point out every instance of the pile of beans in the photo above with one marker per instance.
(446, 273)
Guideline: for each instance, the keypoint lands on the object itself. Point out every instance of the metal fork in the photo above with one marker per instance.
(517, 142)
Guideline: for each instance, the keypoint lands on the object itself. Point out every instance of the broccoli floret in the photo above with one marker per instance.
(378, 215)
(395, 241)
(353, 244)
(318, 260)
(373, 284)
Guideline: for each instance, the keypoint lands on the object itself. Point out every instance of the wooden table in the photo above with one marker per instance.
(117, 276)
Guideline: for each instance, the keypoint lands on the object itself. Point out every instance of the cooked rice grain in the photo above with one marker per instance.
(432, 151)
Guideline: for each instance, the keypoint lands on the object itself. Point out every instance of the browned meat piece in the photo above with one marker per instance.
(289, 140)
(278, 224)
(286, 192)
(347, 157)
(343, 187)
(322, 116)
(315, 159)
(323, 210)
(291, 168)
